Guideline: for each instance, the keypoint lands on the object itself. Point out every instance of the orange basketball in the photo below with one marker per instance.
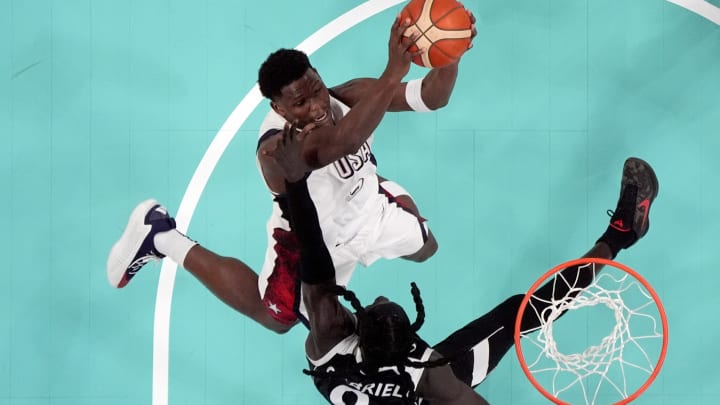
(444, 27)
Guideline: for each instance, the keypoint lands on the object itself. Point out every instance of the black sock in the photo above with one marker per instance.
(617, 239)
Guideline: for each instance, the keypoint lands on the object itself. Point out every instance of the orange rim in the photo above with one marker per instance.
(607, 262)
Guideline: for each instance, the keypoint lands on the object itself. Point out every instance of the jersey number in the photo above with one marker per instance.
(344, 395)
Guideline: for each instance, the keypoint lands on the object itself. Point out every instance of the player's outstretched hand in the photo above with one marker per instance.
(472, 27)
(288, 152)
(399, 53)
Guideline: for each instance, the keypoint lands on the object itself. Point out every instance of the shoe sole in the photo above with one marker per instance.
(126, 248)
(636, 168)
(640, 173)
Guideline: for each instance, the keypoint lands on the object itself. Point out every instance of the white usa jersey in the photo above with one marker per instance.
(360, 224)
(345, 192)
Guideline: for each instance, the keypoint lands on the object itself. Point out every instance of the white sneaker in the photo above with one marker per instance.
(136, 246)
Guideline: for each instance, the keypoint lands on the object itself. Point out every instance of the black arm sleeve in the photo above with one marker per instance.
(316, 266)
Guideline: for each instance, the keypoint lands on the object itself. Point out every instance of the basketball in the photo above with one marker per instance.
(445, 30)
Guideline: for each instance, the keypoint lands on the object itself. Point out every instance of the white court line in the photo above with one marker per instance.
(163, 301)
(702, 8)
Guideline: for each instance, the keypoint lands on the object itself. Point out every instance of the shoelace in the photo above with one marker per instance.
(137, 264)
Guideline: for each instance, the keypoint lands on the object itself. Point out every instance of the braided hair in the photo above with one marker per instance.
(385, 337)
(281, 68)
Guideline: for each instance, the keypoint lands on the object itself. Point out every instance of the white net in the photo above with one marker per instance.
(610, 338)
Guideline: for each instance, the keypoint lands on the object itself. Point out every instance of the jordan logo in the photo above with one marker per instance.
(619, 225)
(645, 205)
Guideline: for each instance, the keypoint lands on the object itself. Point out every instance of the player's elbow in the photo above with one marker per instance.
(438, 102)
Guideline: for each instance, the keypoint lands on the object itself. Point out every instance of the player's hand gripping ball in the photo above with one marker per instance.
(444, 28)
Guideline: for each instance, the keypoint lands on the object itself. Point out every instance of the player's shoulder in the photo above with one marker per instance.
(272, 123)
(359, 83)
(345, 349)
(351, 91)
(336, 103)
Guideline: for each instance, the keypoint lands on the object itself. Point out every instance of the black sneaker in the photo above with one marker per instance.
(136, 246)
(638, 189)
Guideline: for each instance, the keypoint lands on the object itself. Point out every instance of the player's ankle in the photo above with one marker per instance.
(618, 240)
(174, 245)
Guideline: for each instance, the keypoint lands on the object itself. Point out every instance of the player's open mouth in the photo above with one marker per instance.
(322, 117)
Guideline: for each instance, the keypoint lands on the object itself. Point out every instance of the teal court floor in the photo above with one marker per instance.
(106, 103)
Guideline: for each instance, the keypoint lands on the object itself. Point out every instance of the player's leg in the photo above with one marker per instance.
(234, 283)
(150, 234)
(397, 194)
(478, 347)
(629, 222)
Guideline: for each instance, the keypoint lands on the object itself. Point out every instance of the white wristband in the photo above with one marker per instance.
(413, 96)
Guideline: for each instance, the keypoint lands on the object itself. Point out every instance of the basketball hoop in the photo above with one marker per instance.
(615, 362)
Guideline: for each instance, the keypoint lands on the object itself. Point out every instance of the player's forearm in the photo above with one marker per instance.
(438, 85)
(360, 122)
(329, 322)
(368, 100)
(317, 266)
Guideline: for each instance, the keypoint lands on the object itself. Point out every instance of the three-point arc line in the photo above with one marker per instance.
(700, 7)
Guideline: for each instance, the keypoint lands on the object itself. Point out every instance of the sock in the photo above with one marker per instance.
(617, 239)
(174, 245)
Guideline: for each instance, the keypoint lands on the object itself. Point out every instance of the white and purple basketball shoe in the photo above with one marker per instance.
(136, 246)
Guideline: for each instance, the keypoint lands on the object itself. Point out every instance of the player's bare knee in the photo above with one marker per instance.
(431, 246)
(280, 329)
(265, 319)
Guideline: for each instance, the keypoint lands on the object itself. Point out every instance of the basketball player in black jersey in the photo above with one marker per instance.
(375, 356)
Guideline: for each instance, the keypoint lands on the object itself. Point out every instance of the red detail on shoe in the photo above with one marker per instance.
(284, 282)
(645, 205)
(619, 225)
(123, 281)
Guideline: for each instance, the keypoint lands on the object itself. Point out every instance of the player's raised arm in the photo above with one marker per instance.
(332, 134)
(330, 322)
(329, 143)
(425, 94)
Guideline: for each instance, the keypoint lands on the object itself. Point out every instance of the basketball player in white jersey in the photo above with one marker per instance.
(374, 356)
(364, 217)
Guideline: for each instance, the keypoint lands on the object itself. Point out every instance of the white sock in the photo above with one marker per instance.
(174, 245)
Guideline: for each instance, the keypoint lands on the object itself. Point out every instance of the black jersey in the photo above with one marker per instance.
(343, 382)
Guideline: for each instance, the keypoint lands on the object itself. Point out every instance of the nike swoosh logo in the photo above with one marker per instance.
(645, 205)
(355, 189)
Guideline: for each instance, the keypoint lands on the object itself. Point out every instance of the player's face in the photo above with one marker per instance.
(306, 100)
